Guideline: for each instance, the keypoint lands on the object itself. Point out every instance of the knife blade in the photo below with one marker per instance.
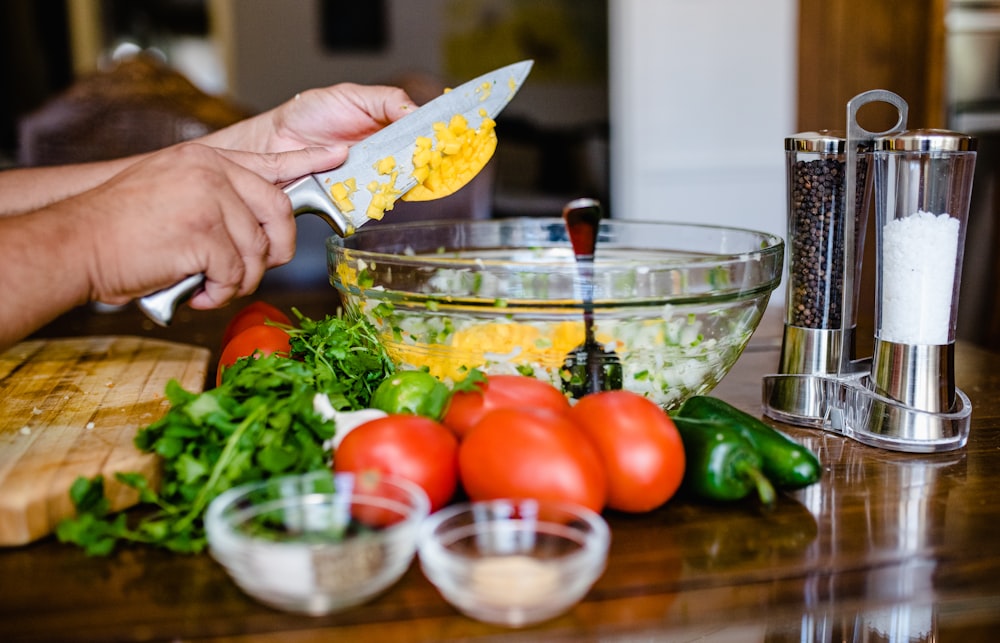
(479, 98)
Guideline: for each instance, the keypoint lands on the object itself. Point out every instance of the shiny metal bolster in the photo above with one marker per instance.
(309, 196)
(921, 376)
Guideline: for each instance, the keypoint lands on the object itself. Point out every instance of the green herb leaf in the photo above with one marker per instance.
(258, 423)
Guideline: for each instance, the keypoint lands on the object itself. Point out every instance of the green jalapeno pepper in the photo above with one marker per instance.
(788, 464)
(720, 464)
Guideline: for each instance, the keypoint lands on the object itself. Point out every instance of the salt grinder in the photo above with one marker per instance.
(923, 186)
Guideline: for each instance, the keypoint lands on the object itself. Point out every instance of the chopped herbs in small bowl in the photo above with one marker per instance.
(319, 542)
(677, 303)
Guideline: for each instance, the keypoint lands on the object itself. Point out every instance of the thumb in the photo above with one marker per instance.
(282, 167)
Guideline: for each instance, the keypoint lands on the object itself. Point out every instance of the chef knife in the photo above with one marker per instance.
(482, 97)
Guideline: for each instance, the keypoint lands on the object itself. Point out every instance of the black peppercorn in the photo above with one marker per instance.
(816, 211)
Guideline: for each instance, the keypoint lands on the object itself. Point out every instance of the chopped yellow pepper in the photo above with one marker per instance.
(473, 347)
(342, 192)
(386, 165)
(384, 196)
(457, 154)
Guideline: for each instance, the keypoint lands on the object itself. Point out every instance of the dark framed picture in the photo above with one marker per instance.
(354, 26)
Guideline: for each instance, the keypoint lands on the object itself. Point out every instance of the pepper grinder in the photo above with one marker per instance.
(816, 333)
(923, 185)
(827, 178)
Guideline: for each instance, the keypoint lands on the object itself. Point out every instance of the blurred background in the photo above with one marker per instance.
(674, 109)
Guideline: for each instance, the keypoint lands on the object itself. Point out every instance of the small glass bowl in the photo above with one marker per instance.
(319, 542)
(513, 562)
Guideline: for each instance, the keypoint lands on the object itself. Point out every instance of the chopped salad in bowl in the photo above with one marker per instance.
(677, 303)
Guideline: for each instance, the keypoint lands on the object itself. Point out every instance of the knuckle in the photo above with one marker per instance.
(280, 254)
(260, 244)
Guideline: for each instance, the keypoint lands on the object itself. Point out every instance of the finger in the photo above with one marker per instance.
(238, 245)
(260, 224)
(230, 243)
(380, 104)
(281, 167)
(272, 208)
(385, 104)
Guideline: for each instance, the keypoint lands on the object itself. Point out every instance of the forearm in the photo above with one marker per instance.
(25, 189)
(42, 270)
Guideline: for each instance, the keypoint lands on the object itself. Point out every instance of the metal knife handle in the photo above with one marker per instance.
(162, 304)
(306, 195)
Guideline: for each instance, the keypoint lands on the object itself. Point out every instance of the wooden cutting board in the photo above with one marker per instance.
(72, 407)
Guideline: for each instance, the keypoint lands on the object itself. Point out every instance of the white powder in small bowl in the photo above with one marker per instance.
(513, 580)
(919, 257)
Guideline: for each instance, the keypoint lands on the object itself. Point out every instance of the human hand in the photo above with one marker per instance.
(340, 115)
(191, 209)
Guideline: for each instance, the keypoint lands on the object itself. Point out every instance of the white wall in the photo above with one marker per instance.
(702, 96)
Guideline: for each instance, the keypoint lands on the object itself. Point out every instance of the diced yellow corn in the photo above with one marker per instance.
(458, 154)
(341, 194)
(384, 196)
(386, 165)
(523, 343)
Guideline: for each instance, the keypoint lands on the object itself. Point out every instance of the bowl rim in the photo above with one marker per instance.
(594, 549)
(771, 243)
(220, 532)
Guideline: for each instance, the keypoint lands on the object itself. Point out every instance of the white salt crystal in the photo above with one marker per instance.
(919, 256)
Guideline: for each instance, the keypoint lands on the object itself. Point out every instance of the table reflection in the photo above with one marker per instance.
(888, 509)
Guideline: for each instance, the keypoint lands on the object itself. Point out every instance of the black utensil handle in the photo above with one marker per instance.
(582, 218)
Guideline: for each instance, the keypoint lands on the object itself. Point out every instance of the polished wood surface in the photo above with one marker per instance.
(888, 546)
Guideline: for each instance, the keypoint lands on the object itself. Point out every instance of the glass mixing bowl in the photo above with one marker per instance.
(677, 303)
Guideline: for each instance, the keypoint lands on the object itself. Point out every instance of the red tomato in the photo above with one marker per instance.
(639, 445)
(466, 408)
(410, 446)
(253, 315)
(531, 453)
(261, 339)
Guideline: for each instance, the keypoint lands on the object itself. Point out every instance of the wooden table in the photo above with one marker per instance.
(888, 544)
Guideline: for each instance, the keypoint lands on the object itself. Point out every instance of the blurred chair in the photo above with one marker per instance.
(140, 105)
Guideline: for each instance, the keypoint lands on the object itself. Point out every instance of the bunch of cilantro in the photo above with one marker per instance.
(260, 422)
